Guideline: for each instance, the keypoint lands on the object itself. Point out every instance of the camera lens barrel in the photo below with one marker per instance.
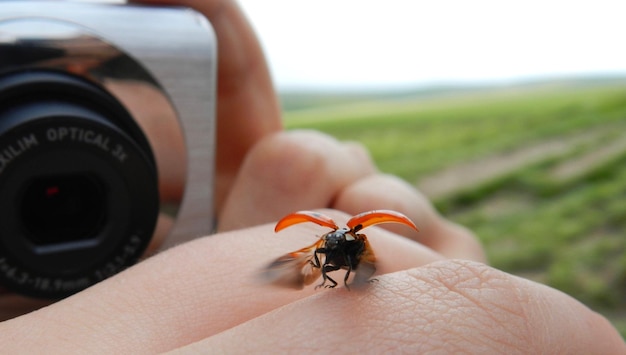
(78, 184)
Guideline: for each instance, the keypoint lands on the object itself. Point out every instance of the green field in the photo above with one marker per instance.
(538, 172)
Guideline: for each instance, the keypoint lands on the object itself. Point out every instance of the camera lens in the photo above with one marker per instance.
(78, 184)
(63, 208)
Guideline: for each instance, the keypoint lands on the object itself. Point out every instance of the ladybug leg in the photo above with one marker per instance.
(325, 270)
(345, 278)
(316, 263)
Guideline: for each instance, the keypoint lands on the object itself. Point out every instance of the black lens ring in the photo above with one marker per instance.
(35, 85)
(66, 132)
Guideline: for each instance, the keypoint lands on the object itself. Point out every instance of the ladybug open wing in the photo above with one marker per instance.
(370, 218)
(294, 270)
(305, 216)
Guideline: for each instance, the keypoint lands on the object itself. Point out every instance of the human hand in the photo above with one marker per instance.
(203, 296)
(248, 107)
(248, 113)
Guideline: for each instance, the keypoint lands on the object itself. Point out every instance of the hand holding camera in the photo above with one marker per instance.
(86, 173)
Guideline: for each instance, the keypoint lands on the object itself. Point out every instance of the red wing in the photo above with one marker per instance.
(305, 216)
(370, 218)
(367, 265)
(294, 270)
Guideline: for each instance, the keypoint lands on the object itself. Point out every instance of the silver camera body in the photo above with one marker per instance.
(107, 138)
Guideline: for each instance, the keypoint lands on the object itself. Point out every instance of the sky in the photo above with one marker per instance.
(368, 44)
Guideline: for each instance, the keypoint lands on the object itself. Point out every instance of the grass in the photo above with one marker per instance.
(568, 231)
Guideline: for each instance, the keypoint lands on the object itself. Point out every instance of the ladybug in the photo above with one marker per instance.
(341, 248)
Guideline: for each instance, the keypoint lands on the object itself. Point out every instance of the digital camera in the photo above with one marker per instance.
(107, 139)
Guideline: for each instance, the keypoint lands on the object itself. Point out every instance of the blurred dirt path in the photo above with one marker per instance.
(464, 176)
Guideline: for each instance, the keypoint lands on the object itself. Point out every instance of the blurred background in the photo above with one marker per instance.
(510, 116)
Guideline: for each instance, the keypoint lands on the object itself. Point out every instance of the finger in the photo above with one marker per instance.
(186, 293)
(292, 171)
(247, 104)
(445, 307)
(389, 192)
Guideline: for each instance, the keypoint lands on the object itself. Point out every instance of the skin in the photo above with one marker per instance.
(203, 296)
